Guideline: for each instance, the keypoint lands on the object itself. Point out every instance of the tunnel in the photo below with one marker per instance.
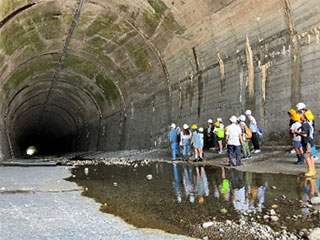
(99, 75)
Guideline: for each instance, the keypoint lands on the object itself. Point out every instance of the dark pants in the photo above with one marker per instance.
(237, 150)
(255, 141)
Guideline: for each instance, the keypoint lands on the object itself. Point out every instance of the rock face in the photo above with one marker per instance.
(100, 75)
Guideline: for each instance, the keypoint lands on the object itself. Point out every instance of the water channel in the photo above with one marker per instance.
(172, 197)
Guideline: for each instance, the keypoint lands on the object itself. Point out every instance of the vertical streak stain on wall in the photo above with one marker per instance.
(295, 55)
(222, 72)
(264, 76)
(200, 84)
(250, 66)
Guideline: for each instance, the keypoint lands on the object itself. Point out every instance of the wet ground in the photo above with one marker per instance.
(176, 197)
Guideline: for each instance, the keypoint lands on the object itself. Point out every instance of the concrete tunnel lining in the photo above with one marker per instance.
(130, 63)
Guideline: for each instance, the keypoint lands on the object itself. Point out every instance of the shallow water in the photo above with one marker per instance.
(180, 195)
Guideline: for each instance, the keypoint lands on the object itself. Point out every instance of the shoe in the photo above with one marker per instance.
(293, 151)
(311, 172)
(211, 149)
(298, 162)
(257, 151)
(200, 159)
(249, 157)
(195, 160)
(316, 158)
(220, 152)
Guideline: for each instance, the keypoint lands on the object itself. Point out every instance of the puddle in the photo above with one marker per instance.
(181, 195)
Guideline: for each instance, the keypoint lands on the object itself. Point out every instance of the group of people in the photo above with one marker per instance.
(236, 136)
(302, 128)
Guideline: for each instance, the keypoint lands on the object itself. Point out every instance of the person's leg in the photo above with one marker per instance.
(200, 153)
(173, 150)
(184, 150)
(255, 141)
(195, 153)
(178, 150)
(230, 154)
(245, 149)
(220, 145)
(308, 155)
(238, 155)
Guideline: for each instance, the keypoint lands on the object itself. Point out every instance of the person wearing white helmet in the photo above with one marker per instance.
(254, 130)
(246, 132)
(173, 140)
(185, 141)
(220, 121)
(200, 130)
(209, 135)
(234, 141)
(301, 107)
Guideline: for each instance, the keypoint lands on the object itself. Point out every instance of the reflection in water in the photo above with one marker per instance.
(179, 194)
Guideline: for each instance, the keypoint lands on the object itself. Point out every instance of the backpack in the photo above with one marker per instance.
(247, 132)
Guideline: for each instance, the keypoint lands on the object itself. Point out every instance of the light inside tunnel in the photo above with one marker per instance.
(31, 150)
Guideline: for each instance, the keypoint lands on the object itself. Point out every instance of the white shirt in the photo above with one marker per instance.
(233, 131)
(253, 124)
(296, 126)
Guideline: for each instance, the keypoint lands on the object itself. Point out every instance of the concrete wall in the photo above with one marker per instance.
(263, 56)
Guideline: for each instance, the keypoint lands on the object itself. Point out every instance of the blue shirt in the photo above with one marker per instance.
(173, 135)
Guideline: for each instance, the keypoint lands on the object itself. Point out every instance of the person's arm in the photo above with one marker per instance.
(241, 140)
(227, 139)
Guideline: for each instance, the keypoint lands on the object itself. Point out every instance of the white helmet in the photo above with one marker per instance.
(301, 105)
(242, 118)
(248, 112)
(210, 120)
(219, 119)
(233, 119)
(185, 126)
(200, 129)
(173, 125)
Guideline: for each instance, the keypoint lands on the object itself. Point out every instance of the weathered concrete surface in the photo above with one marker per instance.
(107, 74)
(53, 210)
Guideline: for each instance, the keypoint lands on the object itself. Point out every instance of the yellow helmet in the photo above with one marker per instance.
(295, 117)
(292, 112)
(226, 128)
(194, 126)
(309, 116)
(201, 200)
(217, 124)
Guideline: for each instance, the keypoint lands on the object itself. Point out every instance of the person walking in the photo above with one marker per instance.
(185, 141)
(254, 130)
(173, 140)
(234, 141)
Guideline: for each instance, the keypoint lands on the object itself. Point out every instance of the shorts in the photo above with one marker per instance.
(220, 139)
(297, 144)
